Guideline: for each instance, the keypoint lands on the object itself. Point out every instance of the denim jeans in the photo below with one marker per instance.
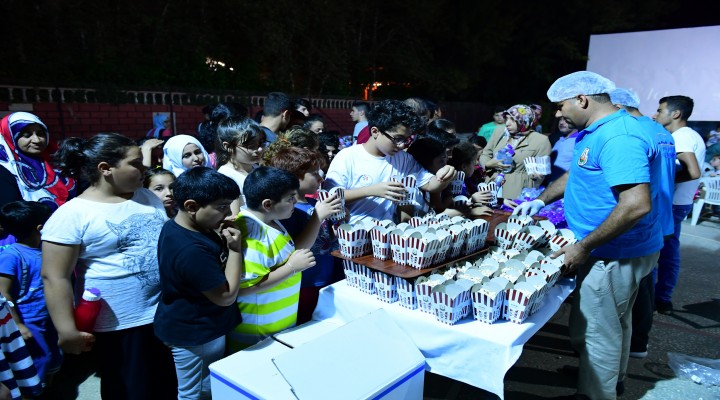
(668, 268)
(191, 366)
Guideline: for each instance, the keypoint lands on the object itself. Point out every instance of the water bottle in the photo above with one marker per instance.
(87, 310)
(499, 179)
(505, 155)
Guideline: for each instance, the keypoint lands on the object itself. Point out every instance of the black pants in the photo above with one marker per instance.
(642, 315)
(132, 364)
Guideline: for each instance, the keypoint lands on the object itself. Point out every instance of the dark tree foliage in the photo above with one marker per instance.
(492, 51)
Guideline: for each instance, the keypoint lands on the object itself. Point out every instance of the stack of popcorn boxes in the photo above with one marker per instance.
(508, 282)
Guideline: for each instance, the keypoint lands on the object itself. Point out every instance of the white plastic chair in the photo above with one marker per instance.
(712, 196)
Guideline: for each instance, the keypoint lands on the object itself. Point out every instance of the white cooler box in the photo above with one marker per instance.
(368, 358)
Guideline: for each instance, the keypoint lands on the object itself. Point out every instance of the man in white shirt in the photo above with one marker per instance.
(673, 113)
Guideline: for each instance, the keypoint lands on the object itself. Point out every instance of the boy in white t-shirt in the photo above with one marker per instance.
(365, 171)
(673, 113)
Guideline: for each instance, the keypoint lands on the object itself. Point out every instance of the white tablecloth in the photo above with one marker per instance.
(469, 351)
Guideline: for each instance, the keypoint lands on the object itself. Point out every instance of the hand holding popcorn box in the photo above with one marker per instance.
(451, 301)
(336, 192)
(457, 184)
(353, 240)
(410, 183)
(380, 238)
(487, 301)
(492, 188)
(385, 287)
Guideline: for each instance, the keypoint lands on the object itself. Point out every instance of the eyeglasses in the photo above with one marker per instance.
(399, 140)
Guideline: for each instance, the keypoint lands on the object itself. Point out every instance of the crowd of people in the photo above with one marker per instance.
(203, 244)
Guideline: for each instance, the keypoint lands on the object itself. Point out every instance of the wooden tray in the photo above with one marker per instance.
(404, 271)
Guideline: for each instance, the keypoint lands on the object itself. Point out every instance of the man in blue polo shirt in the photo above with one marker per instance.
(642, 312)
(608, 194)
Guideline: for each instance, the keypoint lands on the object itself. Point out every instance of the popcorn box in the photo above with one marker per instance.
(487, 301)
(458, 235)
(457, 185)
(558, 242)
(380, 239)
(415, 222)
(410, 183)
(336, 192)
(444, 243)
(353, 240)
(505, 234)
(504, 283)
(460, 201)
(398, 246)
(423, 291)
(489, 267)
(525, 239)
(350, 269)
(451, 301)
(492, 188)
(385, 287)
(473, 274)
(549, 231)
(552, 273)
(518, 302)
(522, 220)
(366, 281)
(541, 286)
(421, 249)
(476, 234)
(406, 293)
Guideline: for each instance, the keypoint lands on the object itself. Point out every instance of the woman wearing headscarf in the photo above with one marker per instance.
(183, 152)
(25, 154)
(525, 142)
(161, 127)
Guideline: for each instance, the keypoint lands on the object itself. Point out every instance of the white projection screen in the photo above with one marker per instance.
(662, 63)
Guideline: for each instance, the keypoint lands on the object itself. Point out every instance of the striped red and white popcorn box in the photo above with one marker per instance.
(457, 184)
(406, 293)
(459, 235)
(522, 220)
(353, 240)
(473, 274)
(552, 273)
(410, 183)
(336, 192)
(518, 302)
(505, 234)
(423, 291)
(539, 283)
(380, 239)
(451, 301)
(444, 243)
(366, 281)
(398, 246)
(350, 273)
(487, 301)
(558, 242)
(549, 231)
(492, 188)
(385, 287)
(460, 201)
(421, 249)
(416, 221)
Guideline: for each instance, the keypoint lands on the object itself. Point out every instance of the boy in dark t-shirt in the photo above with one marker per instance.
(197, 306)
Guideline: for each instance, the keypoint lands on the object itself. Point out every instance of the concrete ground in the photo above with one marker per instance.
(693, 329)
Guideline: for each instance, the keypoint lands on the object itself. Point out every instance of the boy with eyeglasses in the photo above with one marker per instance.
(365, 170)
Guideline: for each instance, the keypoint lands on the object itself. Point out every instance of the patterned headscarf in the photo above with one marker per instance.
(173, 151)
(36, 178)
(525, 116)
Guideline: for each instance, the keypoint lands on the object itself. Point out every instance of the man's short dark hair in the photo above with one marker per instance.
(276, 103)
(683, 104)
(267, 183)
(441, 135)
(329, 139)
(21, 218)
(303, 102)
(463, 154)
(387, 115)
(361, 106)
(204, 185)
